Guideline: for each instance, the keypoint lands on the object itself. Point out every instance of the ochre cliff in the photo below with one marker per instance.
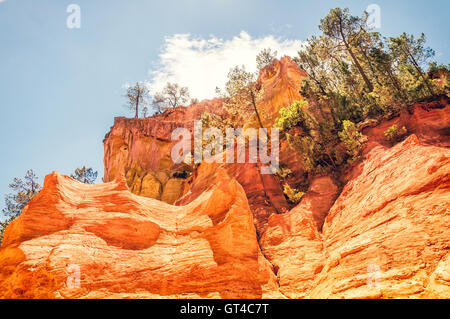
(127, 246)
(141, 148)
(160, 230)
(386, 236)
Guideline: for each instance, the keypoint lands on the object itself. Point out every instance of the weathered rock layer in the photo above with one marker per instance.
(127, 246)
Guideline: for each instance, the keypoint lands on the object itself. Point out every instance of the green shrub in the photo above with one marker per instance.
(306, 148)
(394, 134)
(353, 140)
(293, 195)
(295, 114)
(3, 225)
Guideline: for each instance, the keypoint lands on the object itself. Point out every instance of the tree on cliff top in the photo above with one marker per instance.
(85, 175)
(137, 96)
(345, 30)
(407, 49)
(23, 191)
(172, 95)
(265, 57)
(243, 95)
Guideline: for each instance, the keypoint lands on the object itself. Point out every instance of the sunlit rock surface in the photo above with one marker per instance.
(127, 246)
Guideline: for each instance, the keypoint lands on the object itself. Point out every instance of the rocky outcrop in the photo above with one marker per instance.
(263, 192)
(386, 236)
(126, 246)
(388, 233)
(141, 149)
(430, 122)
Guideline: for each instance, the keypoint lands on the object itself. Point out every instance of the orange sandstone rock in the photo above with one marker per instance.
(293, 243)
(388, 233)
(127, 246)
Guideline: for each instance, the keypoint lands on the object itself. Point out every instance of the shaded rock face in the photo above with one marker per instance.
(293, 243)
(141, 148)
(263, 192)
(127, 246)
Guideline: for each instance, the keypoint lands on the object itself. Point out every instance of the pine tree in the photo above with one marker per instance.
(24, 190)
(85, 175)
(137, 96)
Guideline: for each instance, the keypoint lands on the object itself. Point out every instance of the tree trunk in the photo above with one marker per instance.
(363, 52)
(417, 67)
(256, 110)
(396, 83)
(358, 66)
(137, 104)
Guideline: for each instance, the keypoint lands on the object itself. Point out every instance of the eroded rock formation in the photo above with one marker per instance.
(386, 236)
(128, 246)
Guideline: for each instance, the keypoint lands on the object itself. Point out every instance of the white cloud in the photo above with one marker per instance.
(202, 64)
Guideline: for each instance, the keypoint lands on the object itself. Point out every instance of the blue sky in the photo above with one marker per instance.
(61, 88)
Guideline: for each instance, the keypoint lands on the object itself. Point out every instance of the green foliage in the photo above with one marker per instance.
(347, 109)
(3, 225)
(352, 139)
(295, 115)
(284, 172)
(85, 175)
(264, 58)
(23, 191)
(355, 74)
(243, 96)
(440, 76)
(412, 52)
(307, 149)
(293, 195)
(394, 134)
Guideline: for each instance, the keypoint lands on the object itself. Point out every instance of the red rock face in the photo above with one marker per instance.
(263, 192)
(293, 243)
(388, 233)
(430, 122)
(281, 82)
(386, 236)
(147, 142)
